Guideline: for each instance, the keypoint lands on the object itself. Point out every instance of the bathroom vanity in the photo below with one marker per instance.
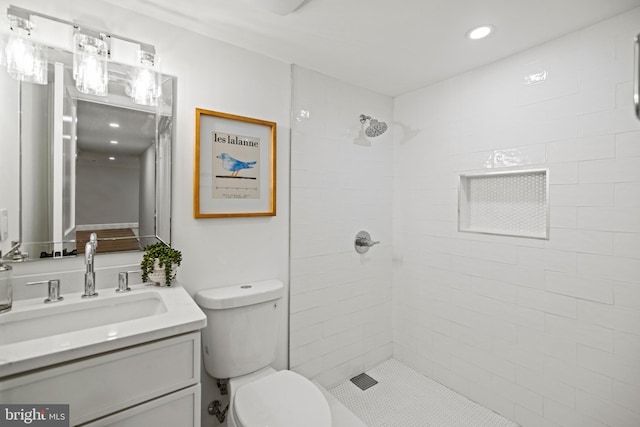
(119, 359)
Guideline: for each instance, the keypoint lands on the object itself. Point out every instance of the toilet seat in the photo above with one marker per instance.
(283, 399)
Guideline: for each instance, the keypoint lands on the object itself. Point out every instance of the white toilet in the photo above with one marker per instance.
(239, 343)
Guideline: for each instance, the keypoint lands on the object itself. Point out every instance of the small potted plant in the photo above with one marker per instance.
(159, 263)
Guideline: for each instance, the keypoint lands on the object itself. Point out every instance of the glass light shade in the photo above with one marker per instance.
(90, 64)
(25, 60)
(145, 86)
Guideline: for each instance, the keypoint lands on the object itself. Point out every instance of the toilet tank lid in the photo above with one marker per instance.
(240, 295)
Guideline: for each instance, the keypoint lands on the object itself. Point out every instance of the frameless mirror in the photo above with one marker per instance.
(91, 164)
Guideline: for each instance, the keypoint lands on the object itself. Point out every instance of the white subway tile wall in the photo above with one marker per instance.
(546, 333)
(340, 322)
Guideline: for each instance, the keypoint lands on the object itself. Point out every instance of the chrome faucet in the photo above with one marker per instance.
(90, 275)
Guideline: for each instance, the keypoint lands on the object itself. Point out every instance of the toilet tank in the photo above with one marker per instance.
(242, 327)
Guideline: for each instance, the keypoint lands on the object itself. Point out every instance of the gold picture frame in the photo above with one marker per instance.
(235, 166)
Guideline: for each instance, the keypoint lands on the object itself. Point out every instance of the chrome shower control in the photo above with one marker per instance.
(363, 242)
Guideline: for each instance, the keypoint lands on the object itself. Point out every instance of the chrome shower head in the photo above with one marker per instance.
(375, 127)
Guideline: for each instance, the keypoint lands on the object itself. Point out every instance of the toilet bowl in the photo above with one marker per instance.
(276, 398)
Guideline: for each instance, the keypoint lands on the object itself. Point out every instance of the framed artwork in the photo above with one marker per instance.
(235, 166)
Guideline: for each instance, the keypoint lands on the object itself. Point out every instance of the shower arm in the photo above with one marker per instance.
(364, 118)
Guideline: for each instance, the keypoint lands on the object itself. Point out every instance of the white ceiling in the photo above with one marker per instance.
(391, 47)
(137, 130)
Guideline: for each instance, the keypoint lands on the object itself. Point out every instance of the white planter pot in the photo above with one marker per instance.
(158, 274)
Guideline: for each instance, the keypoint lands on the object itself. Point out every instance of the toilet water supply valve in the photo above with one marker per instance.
(214, 409)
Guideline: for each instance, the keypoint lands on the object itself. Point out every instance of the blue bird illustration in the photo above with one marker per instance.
(234, 165)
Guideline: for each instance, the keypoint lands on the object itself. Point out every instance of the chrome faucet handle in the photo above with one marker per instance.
(53, 289)
(123, 280)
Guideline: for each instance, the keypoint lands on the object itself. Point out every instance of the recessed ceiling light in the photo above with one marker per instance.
(114, 125)
(112, 158)
(480, 32)
(113, 141)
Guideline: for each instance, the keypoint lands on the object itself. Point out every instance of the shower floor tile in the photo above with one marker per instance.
(403, 397)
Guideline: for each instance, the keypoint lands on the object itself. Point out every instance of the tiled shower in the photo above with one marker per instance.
(340, 320)
(543, 331)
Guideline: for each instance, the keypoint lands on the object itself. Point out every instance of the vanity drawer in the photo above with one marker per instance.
(181, 408)
(101, 385)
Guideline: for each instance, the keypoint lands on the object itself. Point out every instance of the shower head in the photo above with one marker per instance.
(375, 127)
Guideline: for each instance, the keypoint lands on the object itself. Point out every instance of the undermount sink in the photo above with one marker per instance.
(61, 318)
(34, 334)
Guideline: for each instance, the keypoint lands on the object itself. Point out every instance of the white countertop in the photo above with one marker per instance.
(182, 315)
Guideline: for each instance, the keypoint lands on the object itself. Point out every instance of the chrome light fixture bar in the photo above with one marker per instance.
(27, 60)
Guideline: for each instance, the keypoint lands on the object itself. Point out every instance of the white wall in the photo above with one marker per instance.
(215, 76)
(340, 300)
(546, 333)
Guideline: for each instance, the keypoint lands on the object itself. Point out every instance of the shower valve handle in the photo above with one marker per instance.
(363, 242)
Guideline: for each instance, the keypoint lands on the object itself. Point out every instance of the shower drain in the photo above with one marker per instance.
(363, 381)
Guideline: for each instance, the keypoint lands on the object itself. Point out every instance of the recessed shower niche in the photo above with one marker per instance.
(510, 203)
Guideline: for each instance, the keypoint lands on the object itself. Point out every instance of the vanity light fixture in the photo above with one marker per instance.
(114, 125)
(145, 88)
(90, 55)
(26, 60)
(111, 158)
(480, 32)
(113, 141)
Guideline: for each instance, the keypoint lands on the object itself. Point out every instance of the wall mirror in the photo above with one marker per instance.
(86, 164)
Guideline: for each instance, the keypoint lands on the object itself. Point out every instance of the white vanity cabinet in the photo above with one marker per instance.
(150, 384)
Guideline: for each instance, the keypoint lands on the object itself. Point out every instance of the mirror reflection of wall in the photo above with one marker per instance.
(163, 174)
(36, 171)
(9, 162)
